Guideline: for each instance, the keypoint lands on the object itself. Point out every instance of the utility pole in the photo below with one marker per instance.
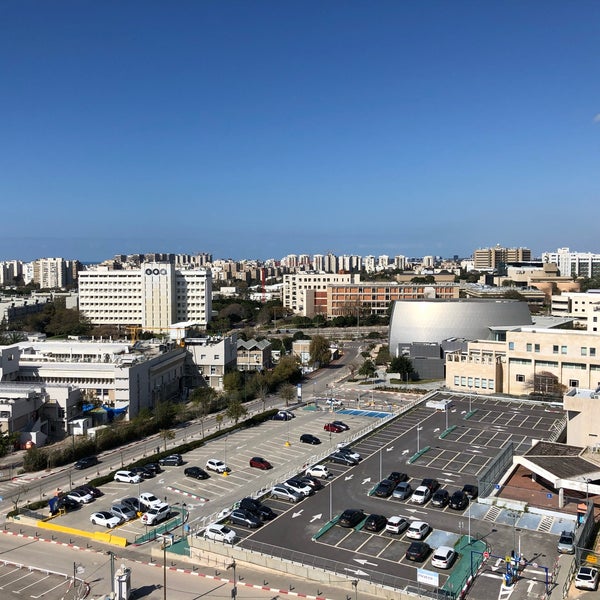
(234, 590)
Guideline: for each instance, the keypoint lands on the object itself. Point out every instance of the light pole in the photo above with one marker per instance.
(234, 590)
(418, 440)
(355, 586)
(446, 411)
(112, 570)
(164, 548)
(587, 489)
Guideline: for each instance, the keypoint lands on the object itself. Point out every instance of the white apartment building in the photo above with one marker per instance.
(212, 357)
(299, 289)
(151, 297)
(570, 264)
(583, 307)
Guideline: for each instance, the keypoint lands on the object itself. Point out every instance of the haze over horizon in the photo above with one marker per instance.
(257, 130)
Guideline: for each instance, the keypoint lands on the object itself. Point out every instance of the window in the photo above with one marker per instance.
(490, 384)
(592, 351)
(563, 349)
(573, 383)
(583, 351)
(511, 345)
(520, 378)
(529, 347)
(536, 347)
(456, 380)
(476, 382)
(484, 383)
(463, 381)
(470, 382)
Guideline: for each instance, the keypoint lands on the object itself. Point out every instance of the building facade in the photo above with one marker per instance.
(574, 264)
(486, 259)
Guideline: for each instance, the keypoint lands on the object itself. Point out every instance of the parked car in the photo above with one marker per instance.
(566, 543)
(402, 491)
(156, 514)
(341, 424)
(134, 504)
(173, 460)
(214, 464)
(351, 517)
(240, 516)
(418, 551)
(282, 492)
(313, 482)
(90, 489)
(220, 533)
(149, 500)
(432, 484)
(343, 459)
(261, 510)
(84, 463)
(65, 503)
(318, 471)
(299, 486)
(308, 438)
(80, 496)
(443, 557)
(127, 477)
(196, 473)
(587, 578)
(384, 488)
(471, 491)
(417, 530)
(396, 524)
(283, 415)
(143, 472)
(458, 500)
(440, 498)
(105, 519)
(349, 452)
(260, 463)
(375, 523)
(123, 511)
(397, 477)
(332, 428)
(421, 495)
(333, 402)
(154, 467)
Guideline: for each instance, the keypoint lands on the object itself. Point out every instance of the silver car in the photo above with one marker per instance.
(122, 510)
(282, 492)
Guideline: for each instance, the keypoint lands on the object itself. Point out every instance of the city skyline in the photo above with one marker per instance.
(258, 130)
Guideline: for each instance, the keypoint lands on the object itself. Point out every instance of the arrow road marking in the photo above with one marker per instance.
(436, 430)
(414, 510)
(348, 478)
(316, 517)
(367, 480)
(364, 562)
(389, 449)
(355, 571)
(297, 514)
(405, 451)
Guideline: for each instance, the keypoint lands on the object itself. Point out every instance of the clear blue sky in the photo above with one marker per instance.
(254, 129)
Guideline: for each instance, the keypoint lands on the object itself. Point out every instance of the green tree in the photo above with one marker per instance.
(402, 365)
(233, 381)
(235, 411)
(166, 434)
(288, 392)
(367, 369)
(320, 355)
(287, 370)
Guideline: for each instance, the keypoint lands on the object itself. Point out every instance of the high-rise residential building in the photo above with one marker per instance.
(574, 264)
(369, 263)
(383, 262)
(153, 296)
(331, 263)
(51, 273)
(400, 262)
(318, 262)
(485, 259)
(349, 263)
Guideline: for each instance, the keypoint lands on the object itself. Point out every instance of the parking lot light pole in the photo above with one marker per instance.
(112, 570)
(234, 590)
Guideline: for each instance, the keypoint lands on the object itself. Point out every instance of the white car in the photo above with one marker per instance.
(127, 477)
(333, 402)
(418, 530)
(220, 533)
(156, 514)
(80, 496)
(396, 525)
(319, 471)
(443, 557)
(421, 495)
(299, 486)
(149, 500)
(587, 578)
(214, 464)
(103, 517)
(349, 452)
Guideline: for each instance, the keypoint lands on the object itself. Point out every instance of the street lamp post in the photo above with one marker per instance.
(112, 570)
(418, 440)
(164, 548)
(355, 586)
(234, 590)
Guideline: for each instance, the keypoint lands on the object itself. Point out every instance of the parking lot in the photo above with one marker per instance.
(25, 582)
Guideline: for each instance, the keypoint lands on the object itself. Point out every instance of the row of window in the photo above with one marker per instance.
(556, 349)
(474, 382)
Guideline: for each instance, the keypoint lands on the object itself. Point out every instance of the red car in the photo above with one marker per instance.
(332, 427)
(260, 463)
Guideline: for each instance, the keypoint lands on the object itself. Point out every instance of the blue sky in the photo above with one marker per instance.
(258, 129)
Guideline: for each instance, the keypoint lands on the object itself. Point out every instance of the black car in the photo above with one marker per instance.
(143, 472)
(282, 416)
(343, 459)
(241, 516)
(255, 507)
(351, 517)
(88, 461)
(313, 482)
(173, 460)
(432, 484)
(375, 523)
(459, 500)
(67, 504)
(471, 491)
(397, 477)
(308, 438)
(154, 467)
(384, 488)
(440, 498)
(195, 473)
(418, 551)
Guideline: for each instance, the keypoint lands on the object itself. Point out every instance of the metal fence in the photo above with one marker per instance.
(492, 474)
